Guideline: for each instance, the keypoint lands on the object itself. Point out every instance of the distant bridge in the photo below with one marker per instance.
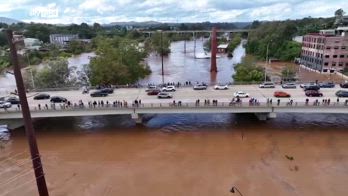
(202, 31)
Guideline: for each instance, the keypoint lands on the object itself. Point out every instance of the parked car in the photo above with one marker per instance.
(289, 85)
(4, 104)
(99, 93)
(281, 94)
(107, 90)
(220, 87)
(240, 94)
(267, 85)
(344, 85)
(200, 87)
(303, 85)
(313, 93)
(153, 92)
(58, 99)
(41, 96)
(13, 100)
(150, 88)
(168, 88)
(342, 93)
(164, 95)
(311, 87)
(327, 85)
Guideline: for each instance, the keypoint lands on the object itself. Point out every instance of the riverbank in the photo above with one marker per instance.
(274, 69)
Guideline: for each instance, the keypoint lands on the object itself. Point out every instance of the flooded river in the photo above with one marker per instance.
(184, 155)
(190, 154)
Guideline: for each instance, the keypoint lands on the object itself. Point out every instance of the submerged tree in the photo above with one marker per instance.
(118, 61)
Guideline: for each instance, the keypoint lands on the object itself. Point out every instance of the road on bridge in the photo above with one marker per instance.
(187, 94)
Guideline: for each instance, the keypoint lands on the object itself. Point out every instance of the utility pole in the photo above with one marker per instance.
(31, 71)
(266, 59)
(194, 44)
(29, 129)
(162, 56)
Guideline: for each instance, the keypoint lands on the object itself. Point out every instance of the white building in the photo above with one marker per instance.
(62, 39)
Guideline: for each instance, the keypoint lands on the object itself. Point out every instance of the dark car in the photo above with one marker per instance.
(99, 93)
(58, 99)
(153, 92)
(42, 96)
(13, 100)
(313, 93)
(344, 85)
(312, 87)
(327, 85)
(200, 87)
(107, 90)
(342, 93)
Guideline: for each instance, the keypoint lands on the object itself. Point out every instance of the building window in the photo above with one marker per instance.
(336, 47)
(334, 56)
(340, 64)
(326, 63)
(346, 64)
(343, 47)
(328, 47)
(333, 64)
(341, 56)
(327, 56)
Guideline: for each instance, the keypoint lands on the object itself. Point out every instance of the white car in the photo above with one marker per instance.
(168, 88)
(240, 94)
(220, 87)
(164, 95)
(267, 85)
(150, 88)
(4, 104)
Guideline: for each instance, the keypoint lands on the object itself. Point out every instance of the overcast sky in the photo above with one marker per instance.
(106, 11)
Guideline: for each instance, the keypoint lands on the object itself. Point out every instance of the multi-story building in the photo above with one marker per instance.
(62, 39)
(326, 51)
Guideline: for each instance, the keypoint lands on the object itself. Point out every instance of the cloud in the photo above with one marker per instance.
(106, 11)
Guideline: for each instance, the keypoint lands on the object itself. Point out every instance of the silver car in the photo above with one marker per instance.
(164, 95)
(4, 104)
(289, 85)
(267, 85)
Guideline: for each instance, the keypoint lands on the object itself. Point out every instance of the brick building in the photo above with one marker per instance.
(326, 51)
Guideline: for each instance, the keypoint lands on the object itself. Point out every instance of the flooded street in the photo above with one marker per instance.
(185, 155)
(180, 66)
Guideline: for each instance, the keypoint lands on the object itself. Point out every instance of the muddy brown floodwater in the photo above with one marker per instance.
(183, 155)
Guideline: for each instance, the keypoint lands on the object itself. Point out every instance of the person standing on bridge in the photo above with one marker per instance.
(278, 102)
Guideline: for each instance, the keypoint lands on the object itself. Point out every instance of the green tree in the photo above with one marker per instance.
(288, 73)
(118, 61)
(56, 75)
(248, 72)
(234, 43)
(3, 39)
(160, 43)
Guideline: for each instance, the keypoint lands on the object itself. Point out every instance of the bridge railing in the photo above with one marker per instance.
(177, 105)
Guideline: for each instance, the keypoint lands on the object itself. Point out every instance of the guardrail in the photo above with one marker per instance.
(178, 105)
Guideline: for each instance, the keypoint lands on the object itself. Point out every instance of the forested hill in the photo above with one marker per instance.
(279, 34)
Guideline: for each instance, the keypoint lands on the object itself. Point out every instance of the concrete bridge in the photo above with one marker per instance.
(187, 96)
(263, 111)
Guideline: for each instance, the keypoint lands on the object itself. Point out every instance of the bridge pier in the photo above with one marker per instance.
(213, 50)
(12, 123)
(265, 116)
(137, 118)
